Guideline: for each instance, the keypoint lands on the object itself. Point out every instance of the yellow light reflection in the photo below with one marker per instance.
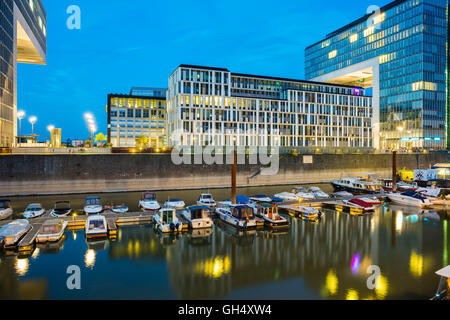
(332, 283)
(213, 267)
(74, 235)
(89, 258)
(381, 287)
(352, 294)
(22, 266)
(36, 253)
(416, 264)
(399, 221)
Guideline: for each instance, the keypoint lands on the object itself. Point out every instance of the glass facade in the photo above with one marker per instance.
(406, 45)
(214, 107)
(131, 117)
(34, 16)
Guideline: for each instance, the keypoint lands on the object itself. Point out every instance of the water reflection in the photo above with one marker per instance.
(332, 259)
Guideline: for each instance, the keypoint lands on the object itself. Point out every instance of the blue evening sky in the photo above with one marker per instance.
(140, 42)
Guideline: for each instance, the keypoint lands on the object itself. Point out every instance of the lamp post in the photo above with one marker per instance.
(33, 120)
(20, 115)
(50, 128)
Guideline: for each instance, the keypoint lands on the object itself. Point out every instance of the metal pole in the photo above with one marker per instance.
(394, 171)
(233, 177)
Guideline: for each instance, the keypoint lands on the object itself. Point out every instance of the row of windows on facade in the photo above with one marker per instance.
(137, 103)
(131, 113)
(204, 76)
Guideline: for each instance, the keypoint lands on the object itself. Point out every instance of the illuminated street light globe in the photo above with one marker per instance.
(21, 114)
(50, 127)
(32, 119)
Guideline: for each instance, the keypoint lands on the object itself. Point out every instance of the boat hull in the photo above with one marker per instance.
(229, 219)
(408, 201)
(6, 213)
(149, 206)
(338, 188)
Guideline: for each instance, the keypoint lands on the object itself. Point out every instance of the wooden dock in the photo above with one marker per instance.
(112, 228)
(28, 241)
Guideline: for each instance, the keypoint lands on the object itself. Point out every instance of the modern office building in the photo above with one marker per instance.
(212, 106)
(401, 52)
(23, 39)
(140, 113)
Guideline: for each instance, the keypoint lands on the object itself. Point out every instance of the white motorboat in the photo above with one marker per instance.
(207, 200)
(239, 216)
(6, 210)
(166, 221)
(149, 202)
(11, 233)
(121, 209)
(175, 203)
(302, 194)
(261, 198)
(269, 212)
(362, 185)
(310, 213)
(410, 198)
(61, 209)
(342, 194)
(318, 193)
(372, 201)
(33, 211)
(93, 205)
(51, 231)
(198, 217)
(287, 196)
(437, 196)
(402, 186)
(96, 227)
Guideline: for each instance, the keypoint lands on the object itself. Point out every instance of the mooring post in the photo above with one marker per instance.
(394, 171)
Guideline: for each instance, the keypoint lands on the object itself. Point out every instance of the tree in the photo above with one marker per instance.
(88, 144)
(142, 142)
(101, 138)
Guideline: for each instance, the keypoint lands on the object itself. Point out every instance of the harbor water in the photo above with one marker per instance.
(334, 258)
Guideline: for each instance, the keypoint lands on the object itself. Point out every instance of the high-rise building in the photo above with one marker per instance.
(214, 107)
(401, 52)
(23, 39)
(142, 113)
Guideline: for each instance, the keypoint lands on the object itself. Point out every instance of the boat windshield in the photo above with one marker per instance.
(198, 213)
(149, 196)
(4, 204)
(93, 202)
(50, 229)
(207, 197)
(167, 217)
(34, 208)
(243, 213)
(96, 224)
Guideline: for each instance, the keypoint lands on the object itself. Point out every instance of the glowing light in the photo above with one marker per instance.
(416, 264)
(380, 18)
(332, 54)
(22, 266)
(33, 119)
(50, 128)
(381, 287)
(399, 221)
(356, 262)
(353, 38)
(74, 235)
(89, 258)
(332, 283)
(352, 294)
(214, 267)
(36, 253)
(21, 114)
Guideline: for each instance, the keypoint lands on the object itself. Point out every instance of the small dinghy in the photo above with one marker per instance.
(33, 211)
(5, 209)
(149, 202)
(96, 227)
(166, 221)
(11, 233)
(61, 209)
(198, 217)
(93, 205)
(120, 209)
(175, 204)
(51, 231)
(207, 200)
(272, 218)
(310, 214)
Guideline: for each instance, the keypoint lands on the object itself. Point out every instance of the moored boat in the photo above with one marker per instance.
(5, 209)
(361, 185)
(121, 209)
(287, 196)
(61, 209)
(34, 210)
(166, 221)
(239, 200)
(198, 217)
(318, 193)
(272, 219)
(11, 233)
(51, 231)
(302, 194)
(96, 227)
(175, 203)
(93, 205)
(360, 204)
(237, 215)
(207, 200)
(410, 198)
(309, 213)
(149, 202)
(342, 194)
(261, 198)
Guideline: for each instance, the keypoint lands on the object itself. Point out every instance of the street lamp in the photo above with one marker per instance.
(20, 115)
(33, 120)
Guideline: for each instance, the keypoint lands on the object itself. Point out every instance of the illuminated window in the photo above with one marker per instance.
(31, 3)
(326, 44)
(353, 38)
(369, 31)
(387, 57)
(380, 18)
(423, 85)
(332, 54)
